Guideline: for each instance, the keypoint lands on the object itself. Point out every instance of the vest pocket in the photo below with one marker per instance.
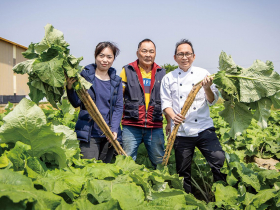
(157, 114)
(131, 111)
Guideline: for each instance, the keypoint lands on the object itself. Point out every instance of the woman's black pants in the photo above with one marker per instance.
(98, 148)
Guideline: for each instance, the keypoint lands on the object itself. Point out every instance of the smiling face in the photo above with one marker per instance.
(104, 60)
(146, 54)
(185, 61)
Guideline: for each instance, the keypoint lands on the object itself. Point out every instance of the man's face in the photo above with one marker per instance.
(146, 54)
(184, 56)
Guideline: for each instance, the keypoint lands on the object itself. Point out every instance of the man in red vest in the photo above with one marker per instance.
(142, 116)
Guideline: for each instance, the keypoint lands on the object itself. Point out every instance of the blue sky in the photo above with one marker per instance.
(247, 30)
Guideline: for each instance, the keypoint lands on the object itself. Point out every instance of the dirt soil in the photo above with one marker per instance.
(2, 109)
(42, 105)
(266, 163)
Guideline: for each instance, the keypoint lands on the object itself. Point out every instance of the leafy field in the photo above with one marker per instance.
(247, 183)
(41, 168)
(40, 165)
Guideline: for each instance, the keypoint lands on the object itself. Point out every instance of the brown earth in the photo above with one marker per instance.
(266, 163)
(43, 105)
(2, 109)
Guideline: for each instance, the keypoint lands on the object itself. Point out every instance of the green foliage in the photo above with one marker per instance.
(254, 141)
(168, 67)
(27, 124)
(49, 62)
(248, 93)
(65, 115)
(40, 167)
(31, 177)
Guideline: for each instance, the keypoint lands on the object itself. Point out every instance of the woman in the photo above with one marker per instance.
(106, 92)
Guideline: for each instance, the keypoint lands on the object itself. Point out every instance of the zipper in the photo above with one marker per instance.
(144, 99)
(146, 115)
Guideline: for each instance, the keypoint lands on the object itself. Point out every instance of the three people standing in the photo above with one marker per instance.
(140, 96)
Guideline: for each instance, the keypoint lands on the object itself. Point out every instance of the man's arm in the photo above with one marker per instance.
(206, 84)
(166, 104)
(124, 79)
(168, 126)
(177, 118)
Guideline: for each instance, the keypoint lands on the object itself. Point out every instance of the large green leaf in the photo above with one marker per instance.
(127, 163)
(258, 81)
(27, 123)
(225, 83)
(227, 64)
(24, 67)
(173, 202)
(35, 94)
(50, 72)
(18, 155)
(30, 53)
(260, 198)
(38, 199)
(269, 174)
(225, 195)
(70, 64)
(70, 144)
(129, 195)
(101, 170)
(50, 60)
(191, 200)
(66, 107)
(99, 189)
(4, 161)
(276, 100)
(238, 116)
(14, 178)
(262, 111)
(247, 175)
(59, 181)
(54, 36)
(35, 167)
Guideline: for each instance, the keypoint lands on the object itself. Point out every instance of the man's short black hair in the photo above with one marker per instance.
(183, 41)
(145, 40)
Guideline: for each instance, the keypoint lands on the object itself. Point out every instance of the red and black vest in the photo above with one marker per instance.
(135, 113)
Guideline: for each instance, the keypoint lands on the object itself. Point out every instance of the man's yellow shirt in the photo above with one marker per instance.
(146, 81)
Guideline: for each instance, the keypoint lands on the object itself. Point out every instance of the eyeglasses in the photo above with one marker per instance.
(181, 55)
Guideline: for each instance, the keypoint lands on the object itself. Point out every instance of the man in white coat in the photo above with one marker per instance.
(197, 128)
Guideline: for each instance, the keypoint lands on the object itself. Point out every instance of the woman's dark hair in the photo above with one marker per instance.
(102, 45)
(183, 41)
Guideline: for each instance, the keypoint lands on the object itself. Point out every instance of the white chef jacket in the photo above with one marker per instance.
(175, 87)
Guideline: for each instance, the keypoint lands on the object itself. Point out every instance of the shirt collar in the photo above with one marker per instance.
(189, 70)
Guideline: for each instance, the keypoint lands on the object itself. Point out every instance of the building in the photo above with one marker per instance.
(13, 87)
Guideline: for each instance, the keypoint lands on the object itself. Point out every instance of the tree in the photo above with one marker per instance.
(168, 67)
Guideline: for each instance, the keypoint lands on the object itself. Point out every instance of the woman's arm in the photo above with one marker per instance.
(118, 111)
(71, 93)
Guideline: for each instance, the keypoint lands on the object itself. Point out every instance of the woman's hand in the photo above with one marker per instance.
(70, 82)
(115, 136)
